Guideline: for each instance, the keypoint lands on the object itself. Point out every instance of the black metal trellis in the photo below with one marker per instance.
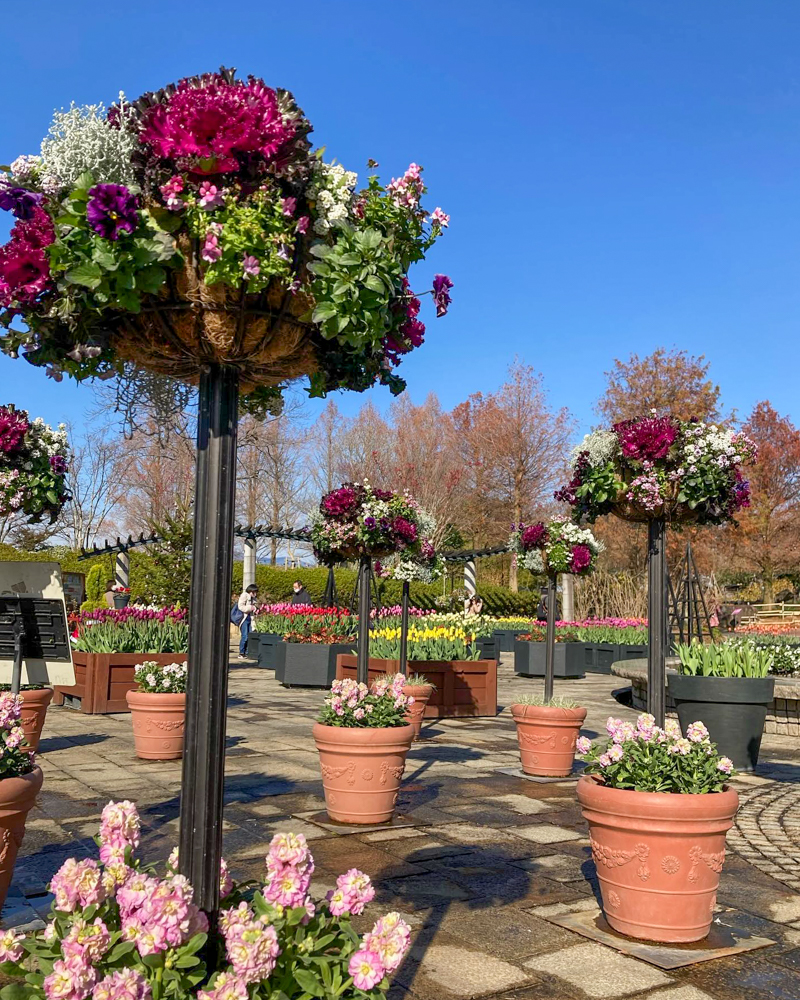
(239, 531)
(688, 612)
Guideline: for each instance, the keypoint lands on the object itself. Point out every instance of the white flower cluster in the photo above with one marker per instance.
(708, 441)
(600, 445)
(43, 441)
(331, 191)
(409, 569)
(155, 678)
(81, 139)
(23, 167)
(575, 535)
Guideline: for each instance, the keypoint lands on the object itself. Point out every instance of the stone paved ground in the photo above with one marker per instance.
(486, 858)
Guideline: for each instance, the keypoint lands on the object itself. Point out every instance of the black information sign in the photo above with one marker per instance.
(43, 627)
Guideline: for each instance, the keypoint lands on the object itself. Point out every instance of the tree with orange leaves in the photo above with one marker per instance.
(667, 381)
(770, 535)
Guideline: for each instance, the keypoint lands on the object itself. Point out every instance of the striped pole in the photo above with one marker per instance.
(122, 570)
(470, 578)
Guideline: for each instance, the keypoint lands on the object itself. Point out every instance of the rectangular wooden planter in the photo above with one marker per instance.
(464, 688)
(506, 637)
(530, 658)
(103, 679)
(307, 664)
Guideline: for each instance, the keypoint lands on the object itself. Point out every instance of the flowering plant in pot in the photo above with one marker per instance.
(357, 519)
(728, 687)
(363, 735)
(120, 931)
(658, 807)
(34, 701)
(547, 728)
(196, 224)
(660, 467)
(34, 460)
(122, 596)
(158, 710)
(20, 781)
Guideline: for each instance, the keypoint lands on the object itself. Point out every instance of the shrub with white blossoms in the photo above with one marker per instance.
(33, 466)
(355, 706)
(555, 547)
(119, 932)
(157, 678)
(646, 758)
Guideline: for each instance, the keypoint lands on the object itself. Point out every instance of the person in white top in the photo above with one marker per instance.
(247, 604)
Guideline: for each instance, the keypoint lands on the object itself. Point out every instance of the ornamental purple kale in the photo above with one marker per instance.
(646, 439)
(112, 210)
(13, 427)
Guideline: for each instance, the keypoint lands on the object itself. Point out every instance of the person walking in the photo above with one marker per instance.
(300, 595)
(246, 606)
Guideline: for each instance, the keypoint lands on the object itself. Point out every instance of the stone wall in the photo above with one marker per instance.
(783, 716)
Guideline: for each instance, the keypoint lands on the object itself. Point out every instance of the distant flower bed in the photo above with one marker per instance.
(121, 616)
(426, 641)
(769, 628)
(623, 635)
(136, 635)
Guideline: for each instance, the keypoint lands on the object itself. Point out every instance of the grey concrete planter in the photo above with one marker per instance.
(505, 637)
(733, 709)
(308, 664)
(530, 657)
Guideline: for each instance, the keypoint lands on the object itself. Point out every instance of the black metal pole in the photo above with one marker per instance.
(549, 667)
(16, 668)
(209, 636)
(364, 596)
(404, 629)
(656, 624)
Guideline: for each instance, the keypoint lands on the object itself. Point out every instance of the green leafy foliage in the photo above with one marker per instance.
(723, 660)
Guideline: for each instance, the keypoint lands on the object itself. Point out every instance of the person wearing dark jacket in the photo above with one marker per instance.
(300, 595)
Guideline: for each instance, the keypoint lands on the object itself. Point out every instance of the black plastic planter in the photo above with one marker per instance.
(733, 709)
(268, 642)
(600, 655)
(487, 647)
(505, 638)
(308, 664)
(253, 645)
(530, 659)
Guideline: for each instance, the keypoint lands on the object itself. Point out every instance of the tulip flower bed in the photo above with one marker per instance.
(107, 646)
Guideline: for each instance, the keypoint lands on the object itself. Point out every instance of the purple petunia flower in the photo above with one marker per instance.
(441, 293)
(112, 210)
(58, 464)
(19, 201)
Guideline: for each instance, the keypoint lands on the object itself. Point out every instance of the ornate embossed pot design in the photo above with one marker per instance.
(421, 694)
(658, 857)
(159, 721)
(361, 770)
(17, 796)
(34, 710)
(547, 736)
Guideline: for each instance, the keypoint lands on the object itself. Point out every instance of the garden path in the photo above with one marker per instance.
(485, 857)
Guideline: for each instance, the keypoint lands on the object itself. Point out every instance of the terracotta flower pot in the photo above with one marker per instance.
(658, 857)
(547, 738)
(17, 796)
(158, 721)
(361, 770)
(420, 693)
(34, 710)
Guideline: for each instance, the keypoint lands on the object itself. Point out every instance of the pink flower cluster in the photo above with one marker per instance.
(251, 947)
(24, 263)
(227, 986)
(13, 428)
(158, 915)
(352, 893)
(77, 883)
(646, 438)
(124, 984)
(119, 830)
(533, 537)
(10, 710)
(348, 693)
(407, 190)
(225, 880)
(393, 686)
(381, 951)
(289, 870)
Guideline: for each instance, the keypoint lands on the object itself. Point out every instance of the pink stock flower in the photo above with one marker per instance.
(77, 883)
(71, 979)
(615, 752)
(226, 987)
(357, 891)
(252, 949)
(287, 886)
(11, 946)
(135, 891)
(366, 969)
(120, 824)
(124, 984)
(288, 849)
(583, 745)
(725, 764)
(88, 942)
(697, 732)
(389, 940)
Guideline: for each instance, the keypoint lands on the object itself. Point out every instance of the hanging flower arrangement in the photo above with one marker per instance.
(555, 547)
(423, 563)
(359, 520)
(649, 467)
(197, 225)
(33, 466)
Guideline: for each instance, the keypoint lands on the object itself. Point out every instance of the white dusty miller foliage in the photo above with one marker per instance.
(600, 446)
(81, 139)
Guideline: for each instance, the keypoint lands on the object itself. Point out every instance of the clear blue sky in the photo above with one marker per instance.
(621, 174)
